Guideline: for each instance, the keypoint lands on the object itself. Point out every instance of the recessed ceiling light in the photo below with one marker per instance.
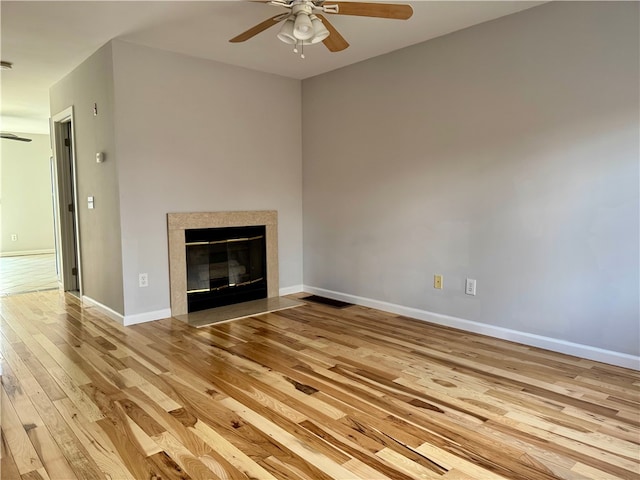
(6, 65)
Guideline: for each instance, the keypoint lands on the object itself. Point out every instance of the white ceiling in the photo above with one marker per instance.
(46, 40)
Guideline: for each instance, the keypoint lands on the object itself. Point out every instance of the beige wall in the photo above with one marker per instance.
(26, 207)
(92, 82)
(507, 153)
(195, 135)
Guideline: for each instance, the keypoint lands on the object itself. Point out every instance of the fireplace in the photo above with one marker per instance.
(185, 228)
(225, 266)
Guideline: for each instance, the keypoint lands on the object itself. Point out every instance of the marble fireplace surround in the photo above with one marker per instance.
(177, 223)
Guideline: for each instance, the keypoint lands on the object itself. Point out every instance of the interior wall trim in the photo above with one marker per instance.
(146, 317)
(126, 320)
(291, 290)
(22, 253)
(88, 302)
(556, 345)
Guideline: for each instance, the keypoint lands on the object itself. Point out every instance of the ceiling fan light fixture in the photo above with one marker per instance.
(286, 32)
(320, 31)
(303, 28)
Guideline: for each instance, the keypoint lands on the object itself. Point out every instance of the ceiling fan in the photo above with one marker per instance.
(11, 136)
(305, 25)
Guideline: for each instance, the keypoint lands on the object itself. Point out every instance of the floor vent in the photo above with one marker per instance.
(327, 301)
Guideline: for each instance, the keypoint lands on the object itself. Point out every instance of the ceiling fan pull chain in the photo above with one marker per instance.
(295, 48)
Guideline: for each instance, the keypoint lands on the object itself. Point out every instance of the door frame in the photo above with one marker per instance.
(66, 184)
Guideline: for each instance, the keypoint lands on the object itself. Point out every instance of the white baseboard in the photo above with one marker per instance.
(289, 290)
(125, 320)
(146, 317)
(88, 302)
(23, 253)
(548, 343)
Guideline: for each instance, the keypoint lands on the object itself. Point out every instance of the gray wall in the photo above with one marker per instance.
(26, 207)
(92, 82)
(506, 152)
(196, 135)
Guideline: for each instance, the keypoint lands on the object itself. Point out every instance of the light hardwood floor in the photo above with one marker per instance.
(28, 273)
(311, 392)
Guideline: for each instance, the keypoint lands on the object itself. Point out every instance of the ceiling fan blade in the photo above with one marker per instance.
(334, 42)
(11, 136)
(261, 27)
(382, 10)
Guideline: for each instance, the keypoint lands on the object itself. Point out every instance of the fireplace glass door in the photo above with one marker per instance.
(225, 266)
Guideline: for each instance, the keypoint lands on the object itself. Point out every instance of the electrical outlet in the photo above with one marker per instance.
(143, 280)
(437, 282)
(14, 237)
(470, 286)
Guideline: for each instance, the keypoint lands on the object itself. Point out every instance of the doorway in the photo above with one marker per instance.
(27, 233)
(66, 194)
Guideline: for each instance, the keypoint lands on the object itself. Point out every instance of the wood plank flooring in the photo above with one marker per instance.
(311, 392)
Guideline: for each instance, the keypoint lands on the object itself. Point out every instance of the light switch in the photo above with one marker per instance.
(90, 203)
